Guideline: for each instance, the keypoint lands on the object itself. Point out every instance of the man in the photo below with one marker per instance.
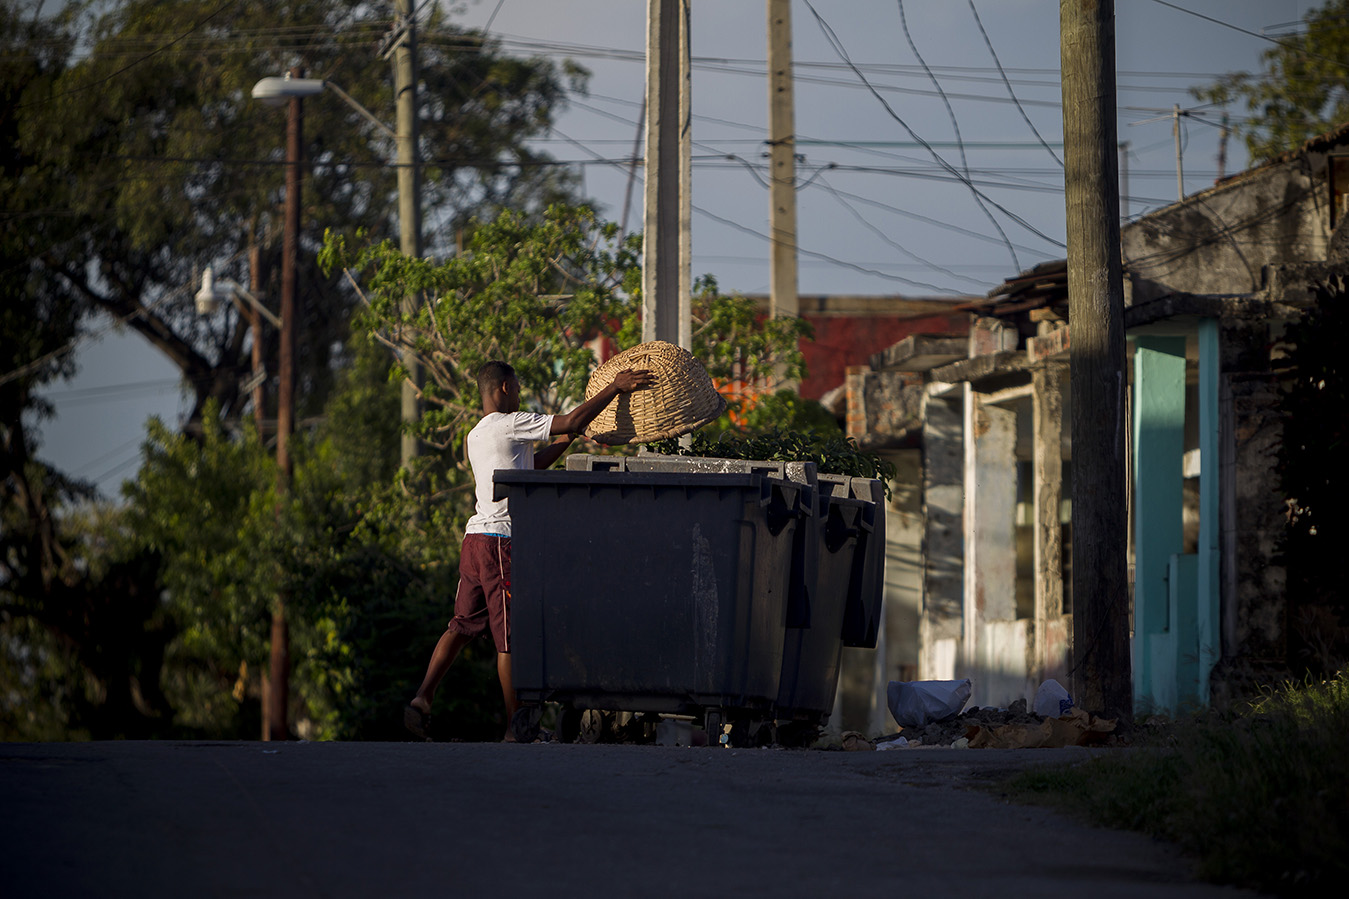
(504, 439)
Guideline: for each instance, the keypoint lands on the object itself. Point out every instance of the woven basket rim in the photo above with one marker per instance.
(682, 400)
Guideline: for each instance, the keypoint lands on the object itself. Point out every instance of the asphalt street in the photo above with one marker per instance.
(398, 819)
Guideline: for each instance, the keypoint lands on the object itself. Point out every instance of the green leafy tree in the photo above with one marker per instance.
(207, 508)
(151, 160)
(132, 155)
(538, 291)
(1301, 91)
(532, 290)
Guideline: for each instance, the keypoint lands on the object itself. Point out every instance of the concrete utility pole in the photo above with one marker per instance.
(278, 692)
(1101, 674)
(409, 199)
(1180, 162)
(782, 158)
(666, 245)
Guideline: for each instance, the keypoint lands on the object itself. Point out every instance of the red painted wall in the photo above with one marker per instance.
(844, 340)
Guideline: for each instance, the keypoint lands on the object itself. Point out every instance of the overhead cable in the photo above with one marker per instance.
(1011, 93)
(843, 54)
(955, 127)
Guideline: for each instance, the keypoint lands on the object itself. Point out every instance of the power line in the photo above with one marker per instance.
(838, 48)
(1287, 45)
(930, 221)
(991, 52)
(836, 261)
(955, 126)
(36, 364)
(84, 87)
(889, 240)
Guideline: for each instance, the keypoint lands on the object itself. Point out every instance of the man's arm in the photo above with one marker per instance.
(575, 421)
(545, 457)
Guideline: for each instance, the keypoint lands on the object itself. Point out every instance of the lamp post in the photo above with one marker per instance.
(208, 299)
(277, 90)
(276, 696)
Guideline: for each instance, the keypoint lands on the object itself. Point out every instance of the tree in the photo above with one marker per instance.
(538, 291)
(164, 164)
(132, 155)
(1301, 92)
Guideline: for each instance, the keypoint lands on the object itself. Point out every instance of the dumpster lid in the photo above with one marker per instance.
(507, 478)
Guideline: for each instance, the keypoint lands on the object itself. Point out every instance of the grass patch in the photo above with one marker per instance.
(1260, 797)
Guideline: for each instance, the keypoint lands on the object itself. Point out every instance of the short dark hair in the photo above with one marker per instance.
(492, 375)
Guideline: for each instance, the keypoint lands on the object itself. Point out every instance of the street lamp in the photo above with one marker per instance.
(214, 292)
(276, 91)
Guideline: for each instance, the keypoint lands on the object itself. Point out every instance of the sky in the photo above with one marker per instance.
(877, 214)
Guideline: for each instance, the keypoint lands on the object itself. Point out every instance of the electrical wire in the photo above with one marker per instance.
(1287, 45)
(869, 201)
(492, 18)
(804, 252)
(115, 324)
(960, 143)
(838, 48)
(994, 53)
(889, 240)
(92, 84)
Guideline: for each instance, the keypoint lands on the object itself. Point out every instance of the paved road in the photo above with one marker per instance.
(397, 819)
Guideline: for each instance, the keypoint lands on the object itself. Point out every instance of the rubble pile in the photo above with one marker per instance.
(1015, 727)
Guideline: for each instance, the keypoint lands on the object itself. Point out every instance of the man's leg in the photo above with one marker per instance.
(507, 688)
(447, 649)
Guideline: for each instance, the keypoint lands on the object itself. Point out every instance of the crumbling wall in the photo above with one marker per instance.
(1219, 240)
(884, 407)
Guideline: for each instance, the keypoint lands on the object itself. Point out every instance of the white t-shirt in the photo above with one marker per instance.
(501, 440)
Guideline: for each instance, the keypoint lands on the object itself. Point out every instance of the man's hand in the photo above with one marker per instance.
(634, 379)
(624, 382)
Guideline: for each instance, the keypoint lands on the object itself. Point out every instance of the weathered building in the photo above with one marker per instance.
(983, 427)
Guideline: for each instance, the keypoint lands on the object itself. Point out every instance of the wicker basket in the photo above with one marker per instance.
(682, 399)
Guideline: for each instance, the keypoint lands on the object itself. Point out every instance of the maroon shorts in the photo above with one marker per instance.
(483, 599)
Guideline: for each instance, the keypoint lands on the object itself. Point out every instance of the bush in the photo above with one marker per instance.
(1258, 797)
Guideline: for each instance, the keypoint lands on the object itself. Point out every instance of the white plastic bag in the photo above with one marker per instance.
(916, 703)
(1051, 700)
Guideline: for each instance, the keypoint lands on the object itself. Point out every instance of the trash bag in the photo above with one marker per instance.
(1051, 700)
(916, 703)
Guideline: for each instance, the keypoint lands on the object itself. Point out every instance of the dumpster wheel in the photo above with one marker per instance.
(596, 726)
(569, 722)
(525, 723)
(714, 721)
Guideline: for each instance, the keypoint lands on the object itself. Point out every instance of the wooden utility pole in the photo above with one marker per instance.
(1101, 674)
(278, 693)
(782, 159)
(666, 244)
(409, 201)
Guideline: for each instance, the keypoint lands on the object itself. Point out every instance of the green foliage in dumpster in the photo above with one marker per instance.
(831, 453)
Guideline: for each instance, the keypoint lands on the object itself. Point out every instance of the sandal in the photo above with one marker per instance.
(417, 722)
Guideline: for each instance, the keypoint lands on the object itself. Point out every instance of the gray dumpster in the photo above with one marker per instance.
(803, 575)
(866, 588)
(810, 659)
(650, 591)
(836, 582)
